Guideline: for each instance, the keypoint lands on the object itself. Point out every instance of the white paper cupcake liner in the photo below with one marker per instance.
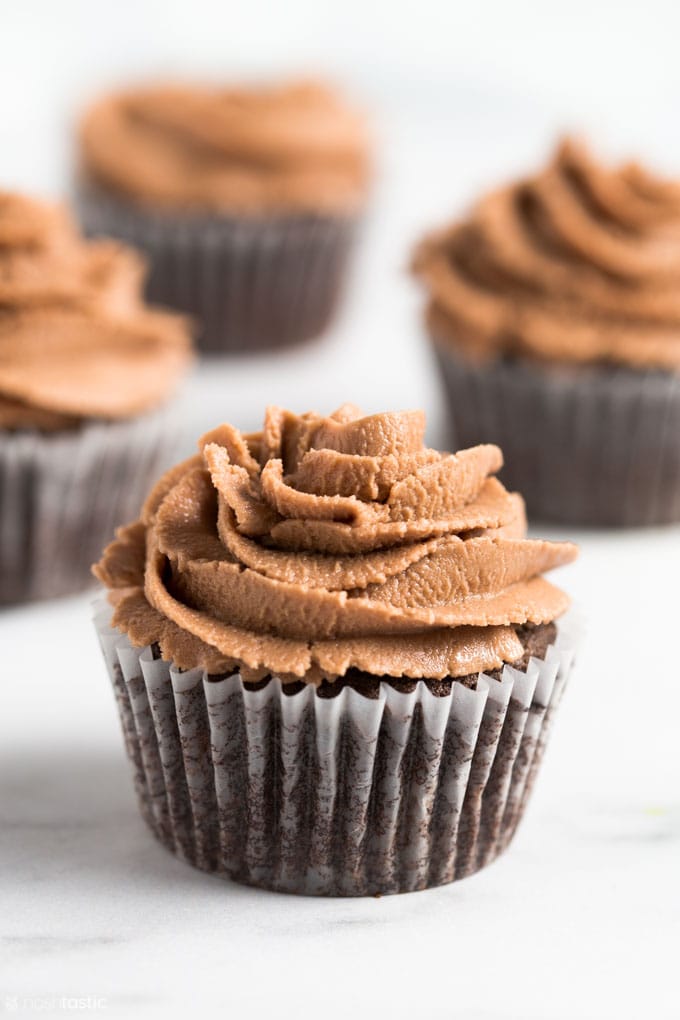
(249, 283)
(62, 494)
(341, 796)
(589, 445)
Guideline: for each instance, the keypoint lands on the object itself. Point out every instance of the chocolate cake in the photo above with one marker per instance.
(85, 369)
(344, 629)
(245, 201)
(554, 311)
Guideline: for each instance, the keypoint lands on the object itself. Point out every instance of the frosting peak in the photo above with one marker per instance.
(579, 263)
(76, 339)
(323, 544)
(289, 147)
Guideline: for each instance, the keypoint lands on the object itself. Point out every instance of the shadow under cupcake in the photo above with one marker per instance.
(334, 655)
(554, 311)
(245, 202)
(86, 375)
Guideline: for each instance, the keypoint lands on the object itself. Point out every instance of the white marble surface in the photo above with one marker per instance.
(581, 918)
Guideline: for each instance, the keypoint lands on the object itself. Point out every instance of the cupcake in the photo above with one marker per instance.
(85, 371)
(554, 312)
(244, 200)
(334, 654)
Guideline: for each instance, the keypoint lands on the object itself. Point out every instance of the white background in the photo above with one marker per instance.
(581, 918)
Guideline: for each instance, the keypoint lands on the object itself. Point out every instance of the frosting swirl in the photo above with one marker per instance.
(580, 263)
(319, 545)
(292, 147)
(76, 340)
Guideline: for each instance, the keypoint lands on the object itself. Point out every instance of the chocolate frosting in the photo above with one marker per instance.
(323, 544)
(293, 147)
(580, 263)
(76, 340)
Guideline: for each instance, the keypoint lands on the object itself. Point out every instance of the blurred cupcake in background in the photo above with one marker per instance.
(86, 372)
(245, 201)
(554, 310)
(299, 626)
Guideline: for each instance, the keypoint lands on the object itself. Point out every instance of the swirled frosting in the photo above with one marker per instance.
(319, 545)
(580, 263)
(76, 340)
(293, 147)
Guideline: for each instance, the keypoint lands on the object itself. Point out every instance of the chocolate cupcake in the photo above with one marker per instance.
(334, 654)
(244, 200)
(86, 371)
(555, 318)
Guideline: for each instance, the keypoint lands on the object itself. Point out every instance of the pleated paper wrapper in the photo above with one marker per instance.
(250, 283)
(62, 494)
(590, 445)
(340, 796)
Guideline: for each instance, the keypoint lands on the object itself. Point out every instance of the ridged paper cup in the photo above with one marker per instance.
(62, 494)
(334, 796)
(586, 445)
(250, 283)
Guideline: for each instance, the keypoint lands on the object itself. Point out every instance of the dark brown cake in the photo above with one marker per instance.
(535, 638)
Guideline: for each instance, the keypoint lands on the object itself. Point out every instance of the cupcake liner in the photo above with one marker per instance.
(62, 494)
(339, 796)
(250, 283)
(593, 445)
